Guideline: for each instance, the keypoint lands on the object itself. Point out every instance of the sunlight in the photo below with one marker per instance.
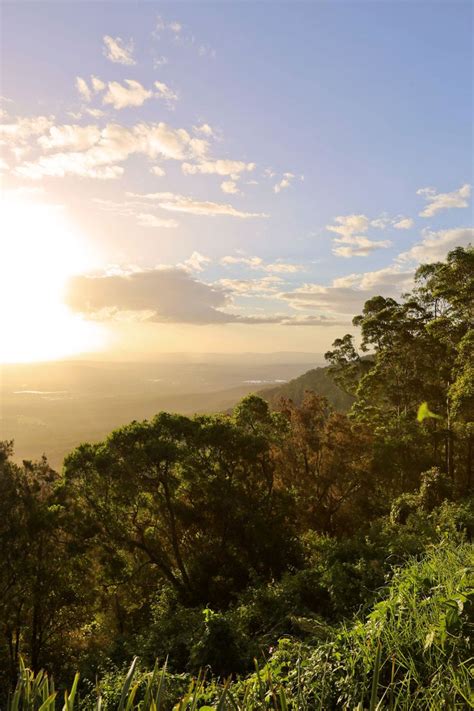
(40, 250)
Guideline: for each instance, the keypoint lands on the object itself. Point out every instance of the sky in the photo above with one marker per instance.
(226, 176)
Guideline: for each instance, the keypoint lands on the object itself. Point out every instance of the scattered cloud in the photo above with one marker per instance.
(165, 92)
(196, 262)
(348, 225)
(159, 62)
(347, 295)
(354, 244)
(157, 170)
(264, 286)
(84, 91)
(253, 262)
(284, 182)
(358, 246)
(204, 129)
(230, 187)
(218, 167)
(168, 295)
(172, 26)
(120, 96)
(74, 137)
(444, 201)
(182, 203)
(16, 135)
(435, 245)
(113, 145)
(146, 220)
(118, 51)
(405, 223)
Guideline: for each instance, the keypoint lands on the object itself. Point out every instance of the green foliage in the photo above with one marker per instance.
(413, 647)
(314, 558)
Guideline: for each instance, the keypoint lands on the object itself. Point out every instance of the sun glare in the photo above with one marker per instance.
(40, 250)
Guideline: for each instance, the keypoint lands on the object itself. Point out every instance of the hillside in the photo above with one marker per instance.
(318, 380)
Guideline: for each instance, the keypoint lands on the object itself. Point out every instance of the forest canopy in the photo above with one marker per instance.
(207, 539)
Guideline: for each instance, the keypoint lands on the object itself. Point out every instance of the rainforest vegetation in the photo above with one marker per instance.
(283, 556)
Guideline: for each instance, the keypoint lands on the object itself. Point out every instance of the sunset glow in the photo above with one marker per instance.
(40, 250)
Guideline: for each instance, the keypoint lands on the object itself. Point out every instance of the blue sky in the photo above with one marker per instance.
(334, 115)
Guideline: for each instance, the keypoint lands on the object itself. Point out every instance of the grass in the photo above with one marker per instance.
(411, 652)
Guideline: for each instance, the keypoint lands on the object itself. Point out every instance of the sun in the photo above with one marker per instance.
(39, 250)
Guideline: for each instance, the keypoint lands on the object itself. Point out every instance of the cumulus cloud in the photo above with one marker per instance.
(118, 51)
(346, 295)
(77, 138)
(284, 182)
(435, 245)
(84, 91)
(405, 223)
(444, 201)
(204, 129)
(120, 96)
(218, 167)
(358, 246)
(113, 145)
(17, 134)
(163, 91)
(157, 170)
(230, 187)
(182, 203)
(349, 225)
(166, 295)
(196, 262)
(354, 244)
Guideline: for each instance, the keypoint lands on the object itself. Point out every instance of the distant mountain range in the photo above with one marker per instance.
(317, 380)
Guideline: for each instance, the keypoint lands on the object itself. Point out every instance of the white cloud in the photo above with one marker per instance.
(204, 129)
(21, 129)
(95, 113)
(83, 89)
(230, 187)
(284, 182)
(159, 62)
(353, 244)
(358, 246)
(283, 268)
(147, 220)
(347, 295)
(182, 203)
(97, 84)
(120, 96)
(405, 223)
(264, 286)
(157, 170)
(257, 263)
(173, 26)
(196, 262)
(165, 92)
(218, 167)
(118, 51)
(114, 145)
(348, 225)
(444, 201)
(435, 245)
(77, 138)
(252, 262)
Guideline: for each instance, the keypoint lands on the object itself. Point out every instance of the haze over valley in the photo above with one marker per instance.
(50, 408)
